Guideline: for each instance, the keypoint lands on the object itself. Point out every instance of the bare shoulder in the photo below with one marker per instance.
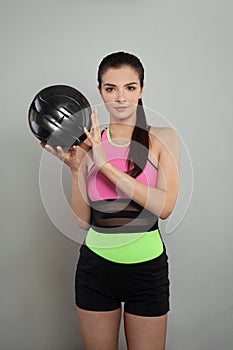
(165, 140)
(164, 136)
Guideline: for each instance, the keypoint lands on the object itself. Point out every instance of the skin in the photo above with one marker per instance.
(121, 123)
(100, 330)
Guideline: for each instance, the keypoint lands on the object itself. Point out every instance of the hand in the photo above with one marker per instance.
(73, 158)
(97, 152)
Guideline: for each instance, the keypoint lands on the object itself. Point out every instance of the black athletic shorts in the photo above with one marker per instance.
(101, 285)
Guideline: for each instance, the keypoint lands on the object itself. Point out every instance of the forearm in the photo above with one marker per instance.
(148, 197)
(79, 199)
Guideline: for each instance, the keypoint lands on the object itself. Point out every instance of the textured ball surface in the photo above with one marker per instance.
(58, 114)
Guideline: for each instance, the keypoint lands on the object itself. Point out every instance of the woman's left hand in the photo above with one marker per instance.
(97, 152)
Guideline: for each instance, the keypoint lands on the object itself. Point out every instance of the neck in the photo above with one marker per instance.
(121, 131)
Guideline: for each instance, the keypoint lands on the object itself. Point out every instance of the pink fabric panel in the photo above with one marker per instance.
(99, 187)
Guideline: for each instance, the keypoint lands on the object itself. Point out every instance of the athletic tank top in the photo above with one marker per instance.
(121, 230)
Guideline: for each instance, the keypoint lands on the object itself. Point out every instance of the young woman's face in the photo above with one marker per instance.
(121, 88)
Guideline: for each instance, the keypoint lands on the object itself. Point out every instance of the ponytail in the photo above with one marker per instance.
(139, 147)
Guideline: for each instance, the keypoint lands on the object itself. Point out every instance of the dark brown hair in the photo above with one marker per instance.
(139, 147)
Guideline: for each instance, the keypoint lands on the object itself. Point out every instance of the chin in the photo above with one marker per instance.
(122, 116)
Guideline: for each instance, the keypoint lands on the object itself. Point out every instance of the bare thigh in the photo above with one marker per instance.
(147, 333)
(99, 329)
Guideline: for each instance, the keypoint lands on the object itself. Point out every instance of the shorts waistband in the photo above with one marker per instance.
(126, 247)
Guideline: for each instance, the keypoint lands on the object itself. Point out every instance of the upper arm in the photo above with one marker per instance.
(168, 168)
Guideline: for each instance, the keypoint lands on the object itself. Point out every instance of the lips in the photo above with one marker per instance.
(121, 109)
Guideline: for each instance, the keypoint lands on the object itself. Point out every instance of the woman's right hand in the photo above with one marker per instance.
(75, 155)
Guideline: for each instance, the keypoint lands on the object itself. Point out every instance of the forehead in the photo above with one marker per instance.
(120, 76)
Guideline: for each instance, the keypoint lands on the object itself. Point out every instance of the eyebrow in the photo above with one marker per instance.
(125, 84)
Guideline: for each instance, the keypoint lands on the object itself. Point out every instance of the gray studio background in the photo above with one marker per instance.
(186, 49)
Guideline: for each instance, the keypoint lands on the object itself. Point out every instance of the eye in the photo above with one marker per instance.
(107, 89)
(131, 88)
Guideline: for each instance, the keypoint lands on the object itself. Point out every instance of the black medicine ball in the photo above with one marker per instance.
(58, 114)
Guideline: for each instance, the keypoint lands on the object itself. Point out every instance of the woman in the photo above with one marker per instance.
(124, 178)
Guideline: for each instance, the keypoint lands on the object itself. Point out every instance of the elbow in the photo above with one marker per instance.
(83, 224)
(85, 227)
(169, 206)
(166, 212)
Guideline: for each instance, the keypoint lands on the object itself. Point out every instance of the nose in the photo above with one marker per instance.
(120, 97)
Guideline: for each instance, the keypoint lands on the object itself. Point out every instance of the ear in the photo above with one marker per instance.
(98, 88)
(142, 89)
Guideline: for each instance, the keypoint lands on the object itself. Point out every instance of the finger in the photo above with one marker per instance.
(50, 149)
(85, 146)
(72, 150)
(89, 136)
(86, 142)
(92, 122)
(95, 122)
(61, 154)
(96, 118)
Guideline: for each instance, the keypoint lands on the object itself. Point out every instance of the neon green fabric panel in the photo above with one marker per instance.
(125, 247)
